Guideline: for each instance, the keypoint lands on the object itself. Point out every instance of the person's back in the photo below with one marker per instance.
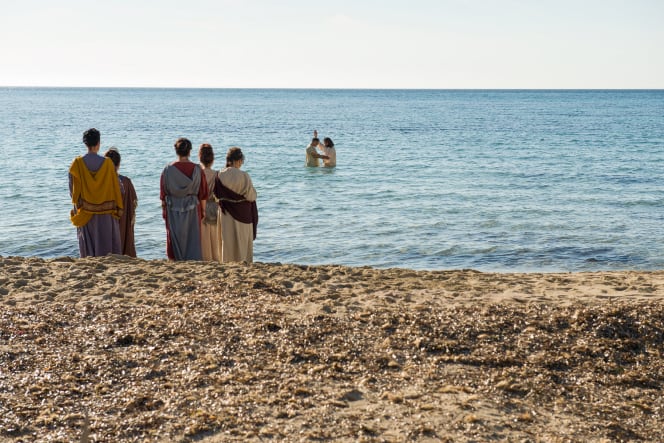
(130, 202)
(239, 213)
(95, 190)
(210, 227)
(128, 219)
(183, 192)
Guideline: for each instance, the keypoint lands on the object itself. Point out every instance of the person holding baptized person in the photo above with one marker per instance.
(183, 193)
(311, 155)
(94, 187)
(239, 213)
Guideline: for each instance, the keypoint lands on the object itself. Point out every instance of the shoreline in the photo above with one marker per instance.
(34, 280)
(116, 348)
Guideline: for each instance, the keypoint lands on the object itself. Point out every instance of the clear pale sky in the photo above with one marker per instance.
(333, 44)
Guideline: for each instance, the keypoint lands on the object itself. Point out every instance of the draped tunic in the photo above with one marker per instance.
(239, 214)
(95, 191)
(182, 190)
(128, 218)
(210, 228)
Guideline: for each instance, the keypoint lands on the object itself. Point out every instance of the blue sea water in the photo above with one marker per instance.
(513, 180)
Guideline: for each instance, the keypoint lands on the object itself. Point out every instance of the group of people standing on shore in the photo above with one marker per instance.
(209, 214)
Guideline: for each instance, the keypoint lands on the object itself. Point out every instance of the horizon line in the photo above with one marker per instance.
(322, 88)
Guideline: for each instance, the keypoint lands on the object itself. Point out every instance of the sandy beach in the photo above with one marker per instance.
(123, 350)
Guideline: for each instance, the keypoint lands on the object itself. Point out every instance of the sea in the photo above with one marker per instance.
(492, 180)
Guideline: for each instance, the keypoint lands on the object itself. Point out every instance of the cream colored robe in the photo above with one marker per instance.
(211, 233)
(237, 244)
(311, 160)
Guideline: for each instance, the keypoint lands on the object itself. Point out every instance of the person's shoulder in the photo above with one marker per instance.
(237, 171)
(76, 165)
(169, 167)
(126, 181)
(185, 166)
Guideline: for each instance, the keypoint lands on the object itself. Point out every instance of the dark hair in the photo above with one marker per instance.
(114, 155)
(234, 154)
(183, 147)
(327, 141)
(315, 141)
(91, 138)
(206, 154)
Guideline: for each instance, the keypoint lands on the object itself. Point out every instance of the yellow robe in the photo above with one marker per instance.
(94, 192)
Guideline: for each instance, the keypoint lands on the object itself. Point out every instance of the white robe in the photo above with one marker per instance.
(332, 161)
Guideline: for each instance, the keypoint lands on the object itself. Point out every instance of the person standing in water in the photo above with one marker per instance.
(312, 156)
(327, 148)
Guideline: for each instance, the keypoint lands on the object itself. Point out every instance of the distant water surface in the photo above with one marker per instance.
(490, 180)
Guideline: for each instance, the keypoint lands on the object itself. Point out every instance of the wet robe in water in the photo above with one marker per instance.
(239, 215)
(183, 223)
(95, 193)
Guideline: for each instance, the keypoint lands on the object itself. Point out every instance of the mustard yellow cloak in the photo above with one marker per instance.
(94, 192)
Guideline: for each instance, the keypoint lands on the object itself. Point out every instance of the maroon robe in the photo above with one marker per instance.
(129, 201)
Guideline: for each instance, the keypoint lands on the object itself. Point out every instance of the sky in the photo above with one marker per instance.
(427, 44)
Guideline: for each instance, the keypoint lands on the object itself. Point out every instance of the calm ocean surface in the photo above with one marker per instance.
(490, 180)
